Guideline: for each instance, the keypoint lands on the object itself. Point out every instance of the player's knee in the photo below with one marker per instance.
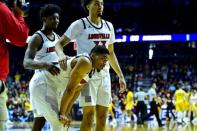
(89, 114)
(101, 118)
(88, 117)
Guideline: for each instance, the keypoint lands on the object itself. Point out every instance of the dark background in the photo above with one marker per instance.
(133, 16)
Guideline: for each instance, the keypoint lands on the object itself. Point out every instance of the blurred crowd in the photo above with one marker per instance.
(169, 79)
(18, 102)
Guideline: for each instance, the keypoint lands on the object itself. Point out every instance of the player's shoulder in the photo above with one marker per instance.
(107, 22)
(36, 37)
(79, 21)
(85, 58)
(85, 62)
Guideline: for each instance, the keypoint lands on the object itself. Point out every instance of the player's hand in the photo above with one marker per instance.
(122, 85)
(65, 120)
(52, 69)
(18, 11)
(63, 62)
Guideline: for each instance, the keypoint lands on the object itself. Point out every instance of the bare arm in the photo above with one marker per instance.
(114, 63)
(76, 95)
(81, 69)
(30, 53)
(59, 50)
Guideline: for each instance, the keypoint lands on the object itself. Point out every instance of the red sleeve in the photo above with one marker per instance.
(14, 28)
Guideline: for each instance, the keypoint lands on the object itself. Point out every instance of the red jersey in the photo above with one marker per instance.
(15, 30)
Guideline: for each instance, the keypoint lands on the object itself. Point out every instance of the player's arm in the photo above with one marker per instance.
(29, 62)
(64, 40)
(114, 63)
(82, 67)
(15, 28)
(73, 31)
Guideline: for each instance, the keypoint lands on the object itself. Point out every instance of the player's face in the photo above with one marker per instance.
(100, 61)
(52, 21)
(96, 8)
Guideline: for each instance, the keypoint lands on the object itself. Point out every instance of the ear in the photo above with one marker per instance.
(44, 19)
(94, 57)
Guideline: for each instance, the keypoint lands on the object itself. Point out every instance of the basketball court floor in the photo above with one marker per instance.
(120, 127)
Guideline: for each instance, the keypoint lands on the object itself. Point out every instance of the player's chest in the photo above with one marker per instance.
(98, 37)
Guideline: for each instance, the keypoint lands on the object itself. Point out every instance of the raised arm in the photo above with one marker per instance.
(15, 29)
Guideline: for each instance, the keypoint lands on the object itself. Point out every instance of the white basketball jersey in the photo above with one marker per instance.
(47, 52)
(88, 35)
(193, 99)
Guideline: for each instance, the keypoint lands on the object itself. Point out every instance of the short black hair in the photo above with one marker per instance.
(99, 50)
(48, 10)
(84, 4)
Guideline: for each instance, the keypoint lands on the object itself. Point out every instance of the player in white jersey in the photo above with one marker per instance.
(88, 33)
(80, 71)
(40, 56)
(46, 90)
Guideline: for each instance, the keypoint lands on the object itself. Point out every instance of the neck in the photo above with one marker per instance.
(47, 31)
(95, 20)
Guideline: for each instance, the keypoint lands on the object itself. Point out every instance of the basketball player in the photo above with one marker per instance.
(88, 33)
(40, 56)
(82, 69)
(180, 98)
(111, 111)
(130, 105)
(193, 104)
